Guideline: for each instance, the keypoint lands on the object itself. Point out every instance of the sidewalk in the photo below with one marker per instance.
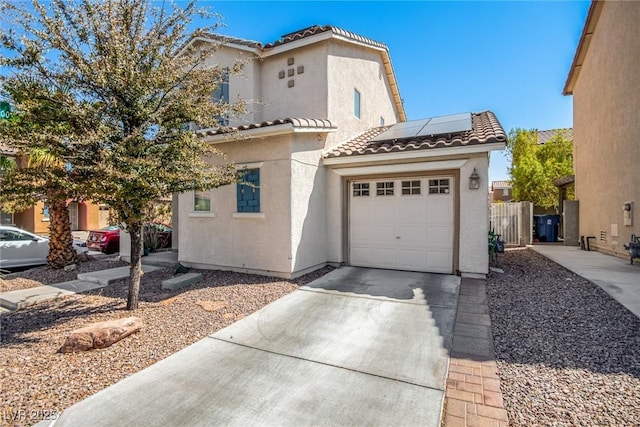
(616, 276)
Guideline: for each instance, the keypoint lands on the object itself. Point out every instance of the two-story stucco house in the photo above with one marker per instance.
(336, 174)
(604, 80)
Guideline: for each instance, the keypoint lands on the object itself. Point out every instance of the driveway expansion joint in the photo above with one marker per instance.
(323, 363)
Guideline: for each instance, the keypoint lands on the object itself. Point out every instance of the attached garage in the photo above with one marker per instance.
(414, 195)
(402, 223)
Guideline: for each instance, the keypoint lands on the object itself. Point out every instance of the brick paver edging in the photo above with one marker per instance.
(473, 397)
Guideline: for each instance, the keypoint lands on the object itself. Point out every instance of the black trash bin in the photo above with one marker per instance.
(548, 228)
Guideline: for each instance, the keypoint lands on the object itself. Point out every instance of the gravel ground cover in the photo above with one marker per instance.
(568, 354)
(36, 381)
(48, 276)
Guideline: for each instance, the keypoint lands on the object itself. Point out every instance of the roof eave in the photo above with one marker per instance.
(583, 45)
(263, 132)
(415, 154)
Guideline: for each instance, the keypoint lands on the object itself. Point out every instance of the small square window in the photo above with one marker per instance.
(384, 188)
(439, 186)
(505, 191)
(356, 103)
(201, 201)
(360, 189)
(410, 187)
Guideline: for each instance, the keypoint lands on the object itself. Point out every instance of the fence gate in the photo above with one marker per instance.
(513, 221)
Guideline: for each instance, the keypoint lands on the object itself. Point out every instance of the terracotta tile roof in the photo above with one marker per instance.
(500, 184)
(318, 29)
(545, 135)
(486, 129)
(294, 121)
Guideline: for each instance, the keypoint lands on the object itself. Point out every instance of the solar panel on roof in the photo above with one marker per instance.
(402, 130)
(424, 127)
(447, 124)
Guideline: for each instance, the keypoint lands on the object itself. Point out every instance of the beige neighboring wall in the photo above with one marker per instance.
(606, 99)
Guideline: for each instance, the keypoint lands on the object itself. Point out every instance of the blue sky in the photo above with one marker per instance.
(508, 57)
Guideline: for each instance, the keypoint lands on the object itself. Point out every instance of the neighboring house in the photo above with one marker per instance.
(334, 172)
(84, 215)
(545, 135)
(501, 191)
(604, 80)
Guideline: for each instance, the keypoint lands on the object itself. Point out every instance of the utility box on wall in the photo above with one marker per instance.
(627, 210)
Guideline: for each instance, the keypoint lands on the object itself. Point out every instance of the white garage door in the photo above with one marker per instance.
(404, 224)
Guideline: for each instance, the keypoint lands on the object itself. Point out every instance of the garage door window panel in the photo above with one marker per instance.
(384, 188)
(439, 186)
(361, 189)
(410, 188)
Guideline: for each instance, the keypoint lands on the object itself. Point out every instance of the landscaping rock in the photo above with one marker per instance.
(101, 334)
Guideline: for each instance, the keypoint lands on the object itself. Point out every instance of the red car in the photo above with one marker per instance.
(105, 240)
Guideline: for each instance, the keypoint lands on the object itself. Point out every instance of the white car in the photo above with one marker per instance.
(20, 248)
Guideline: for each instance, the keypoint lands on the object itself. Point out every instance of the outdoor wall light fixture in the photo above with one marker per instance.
(474, 180)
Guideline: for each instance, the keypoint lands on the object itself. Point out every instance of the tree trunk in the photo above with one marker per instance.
(135, 231)
(61, 251)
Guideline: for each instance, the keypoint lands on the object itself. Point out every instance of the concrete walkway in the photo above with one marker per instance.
(22, 298)
(355, 347)
(614, 275)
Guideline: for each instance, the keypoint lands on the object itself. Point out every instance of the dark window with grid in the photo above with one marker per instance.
(221, 95)
(410, 187)
(384, 188)
(438, 186)
(249, 191)
(360, 189)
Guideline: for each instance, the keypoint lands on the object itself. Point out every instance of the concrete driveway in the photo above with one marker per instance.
(355, 347)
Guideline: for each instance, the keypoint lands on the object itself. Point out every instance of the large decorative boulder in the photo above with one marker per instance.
(101, 334)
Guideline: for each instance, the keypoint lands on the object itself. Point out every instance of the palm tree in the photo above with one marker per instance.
(44, 135)
(61, 251)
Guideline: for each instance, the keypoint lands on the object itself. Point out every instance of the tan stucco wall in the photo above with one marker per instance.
(606, 126)
(474, 218)
(244, 86)
(251, 244)
(308, 96)
(308, 203)
(354, 67)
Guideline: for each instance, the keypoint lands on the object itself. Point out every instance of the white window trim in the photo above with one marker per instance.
(205, 214)
(248, 215)
(201, 214)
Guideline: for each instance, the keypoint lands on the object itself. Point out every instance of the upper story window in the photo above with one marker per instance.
(248, 191)
(221, 95)
(381, 121)
(201, 201)
(356, 103)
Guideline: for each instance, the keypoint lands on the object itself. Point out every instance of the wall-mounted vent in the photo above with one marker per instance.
(603, 236)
